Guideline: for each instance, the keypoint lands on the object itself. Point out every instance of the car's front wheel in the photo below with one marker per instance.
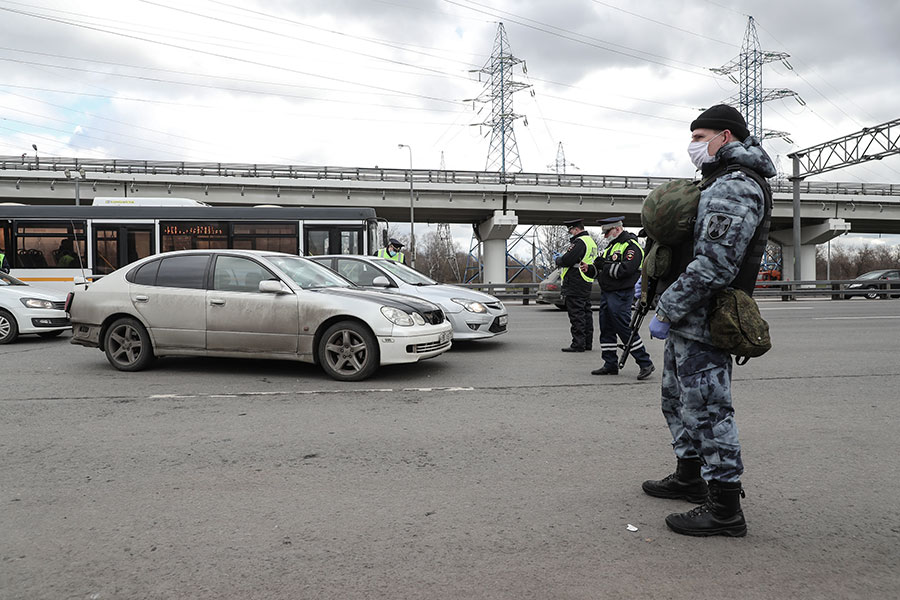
(127, 345)
(872, 294)
(9, 329)
(348, 351)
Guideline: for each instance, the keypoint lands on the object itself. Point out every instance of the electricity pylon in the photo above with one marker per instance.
(503, 153)
(751, 96)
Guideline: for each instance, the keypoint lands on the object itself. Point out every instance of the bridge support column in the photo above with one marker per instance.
(810, 236)
(493, 233)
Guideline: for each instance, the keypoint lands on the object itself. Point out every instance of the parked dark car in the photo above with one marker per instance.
(882, 279)
(549, 292)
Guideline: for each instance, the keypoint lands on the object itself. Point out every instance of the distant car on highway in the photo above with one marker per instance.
(549, 292)
(27, 309)
(252, 304)
(881, 279)
(473, 315)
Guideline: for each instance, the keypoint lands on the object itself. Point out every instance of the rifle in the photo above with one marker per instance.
(640, 309)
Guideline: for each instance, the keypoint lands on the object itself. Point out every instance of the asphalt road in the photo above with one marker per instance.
(501, 469)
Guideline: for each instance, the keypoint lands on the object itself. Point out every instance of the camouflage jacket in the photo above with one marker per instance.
(730, 210)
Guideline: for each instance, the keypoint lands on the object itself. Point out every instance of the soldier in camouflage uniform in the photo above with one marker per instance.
(696, 380)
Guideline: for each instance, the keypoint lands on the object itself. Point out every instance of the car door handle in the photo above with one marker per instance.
(141, 298)
(217, 301)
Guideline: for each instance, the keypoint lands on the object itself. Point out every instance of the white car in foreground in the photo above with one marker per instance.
(473, 314)
(252, 304)
(26, 309)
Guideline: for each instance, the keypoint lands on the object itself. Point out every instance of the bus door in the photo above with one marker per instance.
(119, 244)
(333, 238)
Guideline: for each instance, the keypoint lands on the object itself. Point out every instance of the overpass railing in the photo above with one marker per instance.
(71, 167)
(832, 289)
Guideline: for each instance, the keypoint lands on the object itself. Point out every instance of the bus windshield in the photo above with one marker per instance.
(308, 274)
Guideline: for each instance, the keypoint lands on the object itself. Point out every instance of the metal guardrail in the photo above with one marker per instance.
(73, 167)
(785, 290)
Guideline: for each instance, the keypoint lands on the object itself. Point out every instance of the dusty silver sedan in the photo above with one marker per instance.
(252, 304)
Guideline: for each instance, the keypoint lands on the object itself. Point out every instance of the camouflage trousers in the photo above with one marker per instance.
(696, 402)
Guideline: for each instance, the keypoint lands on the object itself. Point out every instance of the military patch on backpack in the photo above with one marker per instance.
(718, 226)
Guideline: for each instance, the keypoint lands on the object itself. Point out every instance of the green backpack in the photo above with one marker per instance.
(669, 211)
(736, 326)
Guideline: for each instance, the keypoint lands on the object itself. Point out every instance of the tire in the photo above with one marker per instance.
(50, 334)
(127, 345)
(348, 351)
(9, 329)
(872, 294)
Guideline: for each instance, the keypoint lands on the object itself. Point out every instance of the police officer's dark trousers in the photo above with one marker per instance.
(615, 319)
(580, 321)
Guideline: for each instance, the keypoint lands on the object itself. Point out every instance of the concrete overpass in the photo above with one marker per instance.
(495, 204)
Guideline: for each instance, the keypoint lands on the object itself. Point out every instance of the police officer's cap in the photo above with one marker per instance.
(574, 223)
(395, 243)
(611, 222)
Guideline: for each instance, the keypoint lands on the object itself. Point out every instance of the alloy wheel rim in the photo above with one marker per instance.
(346, 351)
(127, 344)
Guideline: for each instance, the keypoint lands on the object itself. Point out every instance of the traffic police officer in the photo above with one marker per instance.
(618, 268)
(392, 252)
(4, 264)
(576, 285)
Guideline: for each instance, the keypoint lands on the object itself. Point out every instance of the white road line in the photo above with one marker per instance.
(309, 392)
(786, 308)
(854, 318)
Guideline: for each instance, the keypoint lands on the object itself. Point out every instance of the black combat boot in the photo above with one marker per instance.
(721, 515)
(684, 484)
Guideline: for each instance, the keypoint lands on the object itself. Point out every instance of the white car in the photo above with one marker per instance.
(474, 315)
(26, 309)
(252, 304)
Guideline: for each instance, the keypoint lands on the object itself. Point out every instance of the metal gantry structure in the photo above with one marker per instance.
(870, 143)
(751, 96)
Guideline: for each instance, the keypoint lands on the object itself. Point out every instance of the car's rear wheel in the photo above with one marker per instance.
(50, 334)
(872, 294)
(9, 329)
(348, 351)
(127, 345)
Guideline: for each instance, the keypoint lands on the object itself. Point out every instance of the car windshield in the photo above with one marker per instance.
(6, 279)
(872, 275)
(404, 273)
(308, 274)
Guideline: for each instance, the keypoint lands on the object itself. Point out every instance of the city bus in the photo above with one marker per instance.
(59, 246)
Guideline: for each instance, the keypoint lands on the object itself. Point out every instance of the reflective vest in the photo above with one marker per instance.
(383, 253)
(620, 247)
(590, 255)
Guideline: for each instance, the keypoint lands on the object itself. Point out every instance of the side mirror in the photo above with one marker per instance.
(381, 281)
(272, 286)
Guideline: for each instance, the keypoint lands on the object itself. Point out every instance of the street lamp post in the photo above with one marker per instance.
(412, 210)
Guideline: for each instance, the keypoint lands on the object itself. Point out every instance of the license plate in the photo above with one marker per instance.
(502, 320)
(446, 336)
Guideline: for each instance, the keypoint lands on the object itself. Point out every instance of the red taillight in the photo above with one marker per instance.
(69, 298)
(552, 286)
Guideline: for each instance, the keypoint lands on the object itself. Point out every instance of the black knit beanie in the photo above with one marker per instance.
(722, 116)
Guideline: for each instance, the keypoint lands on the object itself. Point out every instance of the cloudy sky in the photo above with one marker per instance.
(342, 82)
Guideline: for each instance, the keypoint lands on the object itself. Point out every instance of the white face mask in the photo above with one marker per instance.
(699, 151)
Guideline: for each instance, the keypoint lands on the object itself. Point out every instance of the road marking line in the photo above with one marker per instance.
(786, 308)
(854, 318)
(309, 392)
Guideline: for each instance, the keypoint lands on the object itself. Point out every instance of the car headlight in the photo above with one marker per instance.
(397, 316)
(418, 319)
(36, 303)
(470, 305)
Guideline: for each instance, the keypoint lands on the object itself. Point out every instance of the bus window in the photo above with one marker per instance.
(277, 237)
(333, 239)
(192, 235)
(50, 246)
